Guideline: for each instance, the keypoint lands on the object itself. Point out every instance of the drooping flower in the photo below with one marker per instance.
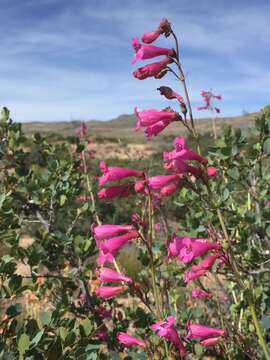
(115, 173)
(102, 334)
(107, 274)
(129, 340)
(170, 93)
(166, 329)
(179, 166)
(107, 292)
(151, 117)
(201, 294)
(155, 70)
(112, 192)
(170, 189)
(114, 244)
(198, 331)
(104, 257)
(201, 269)
(164, 28)
(211, 171)
(143, 52)
(106, 231)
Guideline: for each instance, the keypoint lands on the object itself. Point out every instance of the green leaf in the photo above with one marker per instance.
(233, 173)
(23, 345)
(87, 326)
(265, 322)
(36, 339)
(14, 310)
(198, 349)
(45, 317)
(63, 333)
(266, 146)
(63, 199)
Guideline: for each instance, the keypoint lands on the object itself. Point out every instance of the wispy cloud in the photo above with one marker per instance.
(64, 60)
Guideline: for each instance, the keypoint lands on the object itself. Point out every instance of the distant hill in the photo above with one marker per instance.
(122, 127)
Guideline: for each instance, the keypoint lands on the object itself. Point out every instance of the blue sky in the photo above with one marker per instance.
(70, 59)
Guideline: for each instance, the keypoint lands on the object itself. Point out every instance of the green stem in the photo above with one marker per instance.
(259, 332)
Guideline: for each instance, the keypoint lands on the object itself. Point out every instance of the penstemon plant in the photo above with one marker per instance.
(212, 256)
(145, 287)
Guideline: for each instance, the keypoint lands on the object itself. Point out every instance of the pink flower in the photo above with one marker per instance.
(114, 244)
(139, 185)
(157, 226)
(186, 248)
(104, 257)
(201, 294)
(158, 181)
(201, 269)
(267, 202)
(198, 331)
(155, 70)
(211, 171)
(143, 52)
(129, 340)
(157, 128)
(107, 274)
(208, 96)
(164, 28)
(152, 116)
(182, 151)
(170, 189)
(106, 231)
(166, 328)
(107, 292)
(178, 166)
(115, 191)
(115, 173)
(210, 341)
(170, 94)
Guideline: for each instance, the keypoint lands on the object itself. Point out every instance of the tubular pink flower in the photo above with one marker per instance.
(158, 181)
(201, 294)
(107, 274)
(150, 36)
(115, 191)
(170, 189)
(195, 247)
(81, 131)
(178, 166)
(210, 341)
(152, 70)
(113, 245)
(129, 340)
(107, 292)
(139, 186)
(157, 128)
(164, 28)
(211, 171)
(104, 257)
(166, 329)
(152, 116)
(143, 52)
(198, 331)
(201, 269)
(102, 232)
(186, 248)
(115, 173)
(183, 152)
(170, 94)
